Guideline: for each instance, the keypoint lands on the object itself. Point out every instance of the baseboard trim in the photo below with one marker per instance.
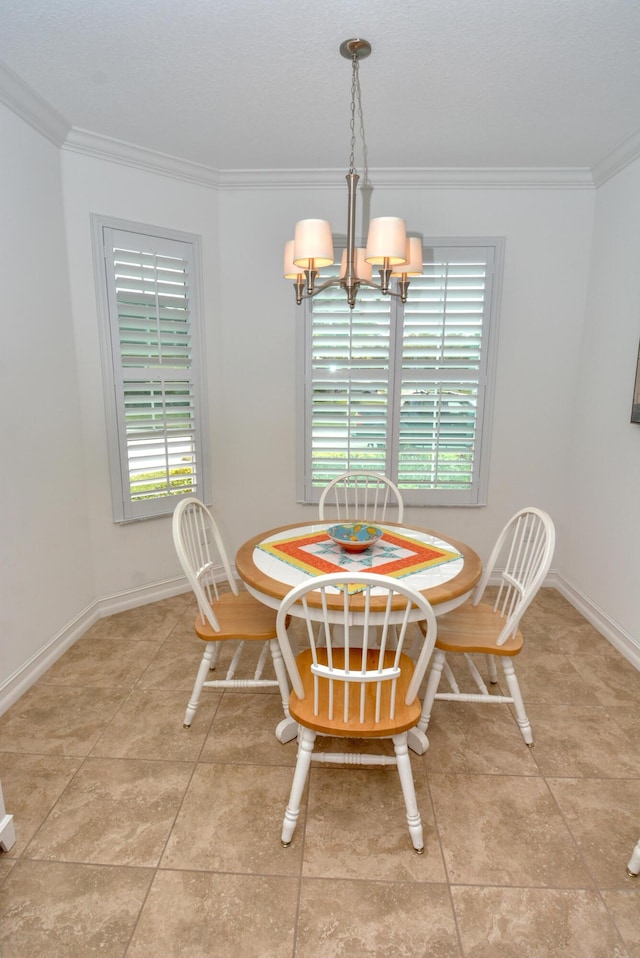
(23, 678)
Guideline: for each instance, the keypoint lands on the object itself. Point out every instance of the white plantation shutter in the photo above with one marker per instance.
(154, 358)
(403, 389)
(348, 374)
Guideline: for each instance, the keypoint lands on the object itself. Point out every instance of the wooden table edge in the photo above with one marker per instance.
(448, 592)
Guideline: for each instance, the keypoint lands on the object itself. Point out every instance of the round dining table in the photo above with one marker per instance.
(443, 569)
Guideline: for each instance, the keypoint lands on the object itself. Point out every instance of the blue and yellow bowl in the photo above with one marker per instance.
(354, 536)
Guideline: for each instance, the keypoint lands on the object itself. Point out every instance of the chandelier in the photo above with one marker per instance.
(388, 246)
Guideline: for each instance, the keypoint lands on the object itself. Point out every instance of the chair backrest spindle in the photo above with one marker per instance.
(361, 495)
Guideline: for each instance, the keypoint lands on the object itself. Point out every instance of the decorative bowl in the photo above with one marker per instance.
(354, 536)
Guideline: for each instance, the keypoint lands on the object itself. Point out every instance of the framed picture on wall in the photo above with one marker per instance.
(635, 409)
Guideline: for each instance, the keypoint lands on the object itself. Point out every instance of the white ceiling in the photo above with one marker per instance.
(260, 84)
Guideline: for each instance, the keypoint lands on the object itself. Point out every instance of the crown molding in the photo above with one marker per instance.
(117, 151)
(32, 108)
(23, 101)
(623, 155)
(414, 178)
(128, 154)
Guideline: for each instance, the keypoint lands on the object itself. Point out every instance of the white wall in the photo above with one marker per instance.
(134, 555)
(252, 345)
(47, 576)
(547, 254)
(600, 549)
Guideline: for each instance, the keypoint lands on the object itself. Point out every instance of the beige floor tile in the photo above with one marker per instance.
(150, 726)
(150, 623)
(243, 730)
(31, 785)
(604, 818)
(69, 911)
(581, 639)
(582, 740)
(354, 919)
(111, 797)
(231, 820)
(504, 830)
(550, 603)
(174, 666)
(476, 738)
(56, 721)
(612, 681)
(114, 812)
(534, 923)
(356, 827)
(628, 719)
(226, 916)
(624, 907)
(551, 679)
(101, 663)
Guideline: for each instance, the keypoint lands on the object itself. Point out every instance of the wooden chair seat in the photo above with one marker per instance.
(475, 628)
(302, 710)
(239, 617)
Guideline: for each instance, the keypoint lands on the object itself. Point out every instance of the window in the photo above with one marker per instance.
(148, 283)
(403, 389)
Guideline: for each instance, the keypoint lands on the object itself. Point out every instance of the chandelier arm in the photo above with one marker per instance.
(302, 293)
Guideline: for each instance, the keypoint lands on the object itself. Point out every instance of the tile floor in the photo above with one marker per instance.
(137, 838)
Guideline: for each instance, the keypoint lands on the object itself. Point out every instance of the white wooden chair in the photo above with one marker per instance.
(225, 613)
(364, 688)
(633, 868)
(361, 495)
(520, 559)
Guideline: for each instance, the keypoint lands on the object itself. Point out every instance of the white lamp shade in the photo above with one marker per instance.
(363, 269)
(413, 266)
(387, 241)
(291, 271)
(313, 244)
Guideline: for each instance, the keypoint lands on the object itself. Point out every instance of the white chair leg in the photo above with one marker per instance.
(518, 704)
(306, 740)
(231, 671)
(264, 652)
(475, 675)
(432, 687)
(7, 828)
(492, 671)
(633, 868)
(205, 666)
(409, 791)
(449, 676)
(287, 729)
(217, 648)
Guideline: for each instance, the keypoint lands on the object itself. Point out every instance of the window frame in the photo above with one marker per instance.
(152, 239)
(476, 496)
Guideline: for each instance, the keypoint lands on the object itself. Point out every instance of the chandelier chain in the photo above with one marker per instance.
(355, 92)
(356, 99)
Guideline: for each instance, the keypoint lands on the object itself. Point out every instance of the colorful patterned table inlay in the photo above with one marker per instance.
(394, 554)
